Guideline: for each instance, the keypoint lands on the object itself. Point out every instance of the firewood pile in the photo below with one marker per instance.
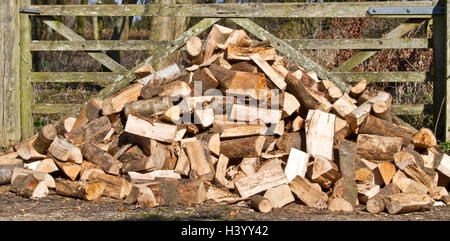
(235, 124)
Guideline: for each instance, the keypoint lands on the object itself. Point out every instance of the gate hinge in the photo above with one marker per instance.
(29, 11)
(417, 10)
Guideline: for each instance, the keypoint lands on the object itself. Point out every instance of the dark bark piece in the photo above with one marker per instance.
(44, 138)
(101, 158)
(377, 126)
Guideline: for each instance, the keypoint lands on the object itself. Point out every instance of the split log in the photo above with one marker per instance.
(244, 66)
(147, 107)
(87, 168)
(140, 164)
(358, 89)
(116, 187)
(101, 158)
(81, 119)
(377, 126)
(204, 117)
(297, 124)
(235, 52)
(437, 193)
(213, 142)
(444, 165)
(71, 170)
(408, 202)
(116, 102)
(319, 128)
(221, 169)
(136, 191)
(27, 152)
(206, 78)
(387, 171)
(95, 131)
(47, 165)
(160, 157)
(309, 82)
(408, 163)
(346, 190)
(363, 173)
(240, 83)
(288, 104)
(260, 203)
(84, 190)
(276, 78)
(325, 172)
(307, 193)
(162, 76)
(138, 178)
(146, 198)
(376, 203)
(367, 191)
(200, 160)
(252, 114)
(7, 166)
(424, 139)
(289, 140)
(179, 191)
(296, 164)
(41, 176)
(339, 204)
(306, 98)
(408, 185)
(29, 186)
(194, 50)
(150, 90)
(332, 92)
(154, 130)
(94, 109)
(279, 65)
(249, 165)
(222, 62)
(206, 63)
(342, 107)
(350, 99)
(260, 181)
(218, 35)
(341, 130)
(365, 96)
(64, 151)
(175, 89)
(374, 147)
(172, 115)
(279, 196)
(216, 194)
(228, 131)
(44, 138)
(65, 126)
(243, 147)
(143, 71)
(183, 166)
(237, 37)
(357, 116)
(382, 110)
(375, 172)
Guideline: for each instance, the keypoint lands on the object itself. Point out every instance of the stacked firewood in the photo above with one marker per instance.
(235, 125)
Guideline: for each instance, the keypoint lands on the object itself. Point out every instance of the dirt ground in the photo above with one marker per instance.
(54, 208)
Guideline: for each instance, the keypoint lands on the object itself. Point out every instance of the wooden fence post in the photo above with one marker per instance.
(440, 73)
(25, 73)
(9, 73)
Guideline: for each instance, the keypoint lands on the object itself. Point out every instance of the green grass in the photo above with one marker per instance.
(445, 146)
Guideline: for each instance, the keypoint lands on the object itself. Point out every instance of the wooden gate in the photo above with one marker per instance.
(119, 76)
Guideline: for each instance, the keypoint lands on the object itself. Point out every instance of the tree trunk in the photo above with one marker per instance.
(162, 28)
